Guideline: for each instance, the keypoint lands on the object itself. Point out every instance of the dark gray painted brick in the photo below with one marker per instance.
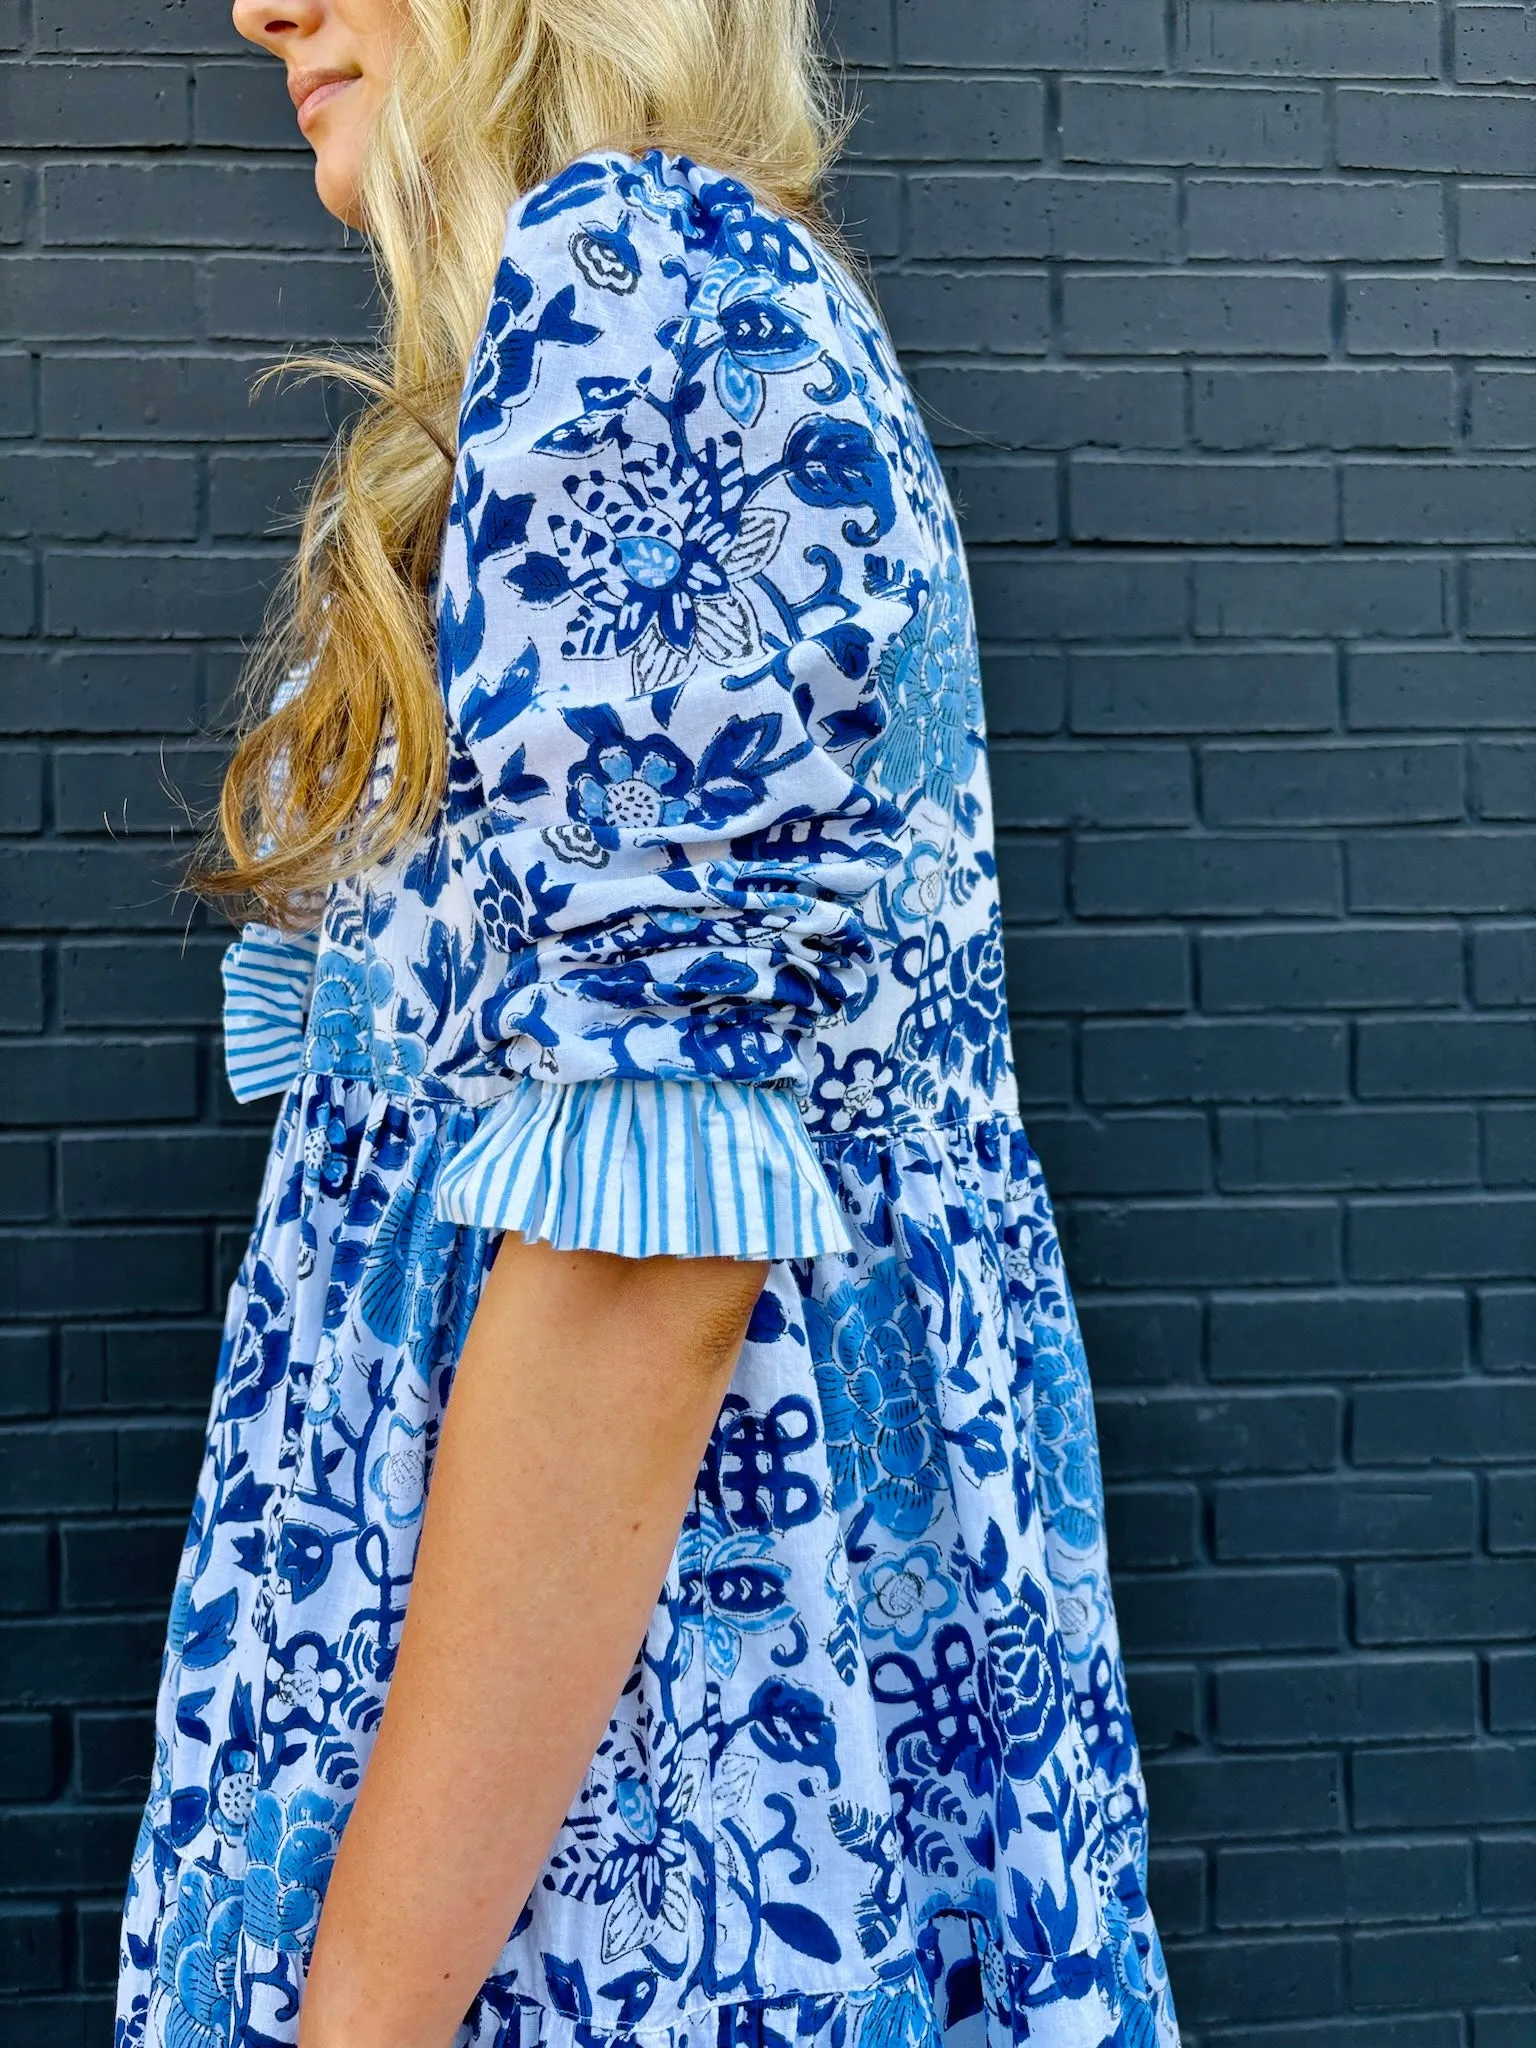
(1066, 596)
(1454, 686)
(1207, 1061)
(1154, 1525)
(1475, 1600)
(1504, 779)
(1209, 875)
(1434, 1515)
(1133, 498)
(1337, 1335)
(173, 202)
(1501, 597)
(1294, 1148)
(98, 298)
(1035, 405)
(1396, 406)
(137, 1365)
(1346, 1699)
(92, 106)
(1509, 1146)
(1133, 220)
(1494, 224)
(1073, 35)
(1435, 315)
(1145, 1341)
(1347, 784)
(1353, 1883)
(1511, 1512)
(1144, 1435)
(1484, 134)
(1324, 967)
(167, 397)
(1258, 126)
(1247, 313)
(1238, 1796)
(1454, 1423)
(1204, 690)
(1495, 46)
(1264, 220)
(1347, 39)
(192, 1173)
(1289, 1978)
(1098, 971)
(292, 298)
(1484, 1783)
(1451, 1238)
(1512, 1691)
(1202, 1244)
(999, 498)
(1436, 501)
(1003, 313)
(1080, 785)
(1170, 1614)
(93, 497)
(1443, 871)
(137, 595)
(1502, 408)
(1445, 1056)
(980, 119)
(1348, 598)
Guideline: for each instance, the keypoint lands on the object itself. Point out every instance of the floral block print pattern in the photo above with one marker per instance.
(717, 822)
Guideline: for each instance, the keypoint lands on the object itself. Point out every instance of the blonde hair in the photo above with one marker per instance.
(488, 98)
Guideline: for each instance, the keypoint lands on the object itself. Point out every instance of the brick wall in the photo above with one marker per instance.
(1222, 317)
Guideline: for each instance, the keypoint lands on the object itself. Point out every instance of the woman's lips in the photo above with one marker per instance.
(310, 94)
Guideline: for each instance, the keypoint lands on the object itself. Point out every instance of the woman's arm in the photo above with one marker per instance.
(579, 1414)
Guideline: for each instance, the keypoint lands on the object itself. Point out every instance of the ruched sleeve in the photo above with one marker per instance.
(267, 981)
(660, 602)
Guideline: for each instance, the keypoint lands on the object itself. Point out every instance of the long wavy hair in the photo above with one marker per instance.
(488, 98)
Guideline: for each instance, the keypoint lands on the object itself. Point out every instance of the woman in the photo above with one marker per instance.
(629, 963)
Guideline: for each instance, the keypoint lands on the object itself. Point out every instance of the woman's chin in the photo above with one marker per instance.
(336, 183)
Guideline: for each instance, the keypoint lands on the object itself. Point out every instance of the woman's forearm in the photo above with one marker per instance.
(579, 1414)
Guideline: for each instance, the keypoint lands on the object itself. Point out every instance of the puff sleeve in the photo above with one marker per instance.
(659, 604)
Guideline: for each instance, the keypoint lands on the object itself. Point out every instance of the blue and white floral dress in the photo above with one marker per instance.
(703, 956)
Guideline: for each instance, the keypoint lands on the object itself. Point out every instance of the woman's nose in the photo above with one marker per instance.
(272, 23)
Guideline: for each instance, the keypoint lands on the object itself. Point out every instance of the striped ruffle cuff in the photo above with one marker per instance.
(267, 978)
(696, 1169)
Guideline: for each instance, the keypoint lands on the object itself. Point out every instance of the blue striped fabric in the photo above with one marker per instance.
(267, 976)
(695, 1168)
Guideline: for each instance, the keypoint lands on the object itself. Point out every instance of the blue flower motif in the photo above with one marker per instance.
(257, 1353)
(903, 1595)
(855, 1094)
(626, 788)
(397, 1476)
(606, 257)
(196, 1966)
(304, 1680)
(869, 1342)
(232, 1788)
(1064, 1440)
(341, 1013)
(290, 1846)
(1023, 1684)
(929, 679)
